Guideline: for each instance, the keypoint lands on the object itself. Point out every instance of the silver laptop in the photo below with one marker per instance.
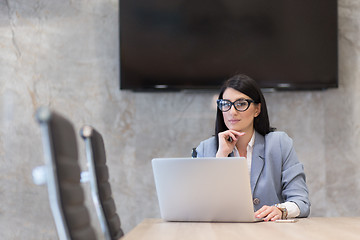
(204, 189)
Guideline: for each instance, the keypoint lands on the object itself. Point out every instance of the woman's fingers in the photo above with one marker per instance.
(225, 145)
(231, 137)
(268, 213)
(237, 134)
(233, 134)
(227, 142)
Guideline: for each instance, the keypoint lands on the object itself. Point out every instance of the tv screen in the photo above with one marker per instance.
(193, 44)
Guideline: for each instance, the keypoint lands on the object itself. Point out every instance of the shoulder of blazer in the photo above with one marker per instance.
(207, 148)
(278, 141)
(277, 135)
(273, 142)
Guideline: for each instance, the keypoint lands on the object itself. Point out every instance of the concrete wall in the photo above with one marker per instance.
(64, 54)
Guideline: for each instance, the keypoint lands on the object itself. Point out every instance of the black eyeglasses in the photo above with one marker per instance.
(241, 104)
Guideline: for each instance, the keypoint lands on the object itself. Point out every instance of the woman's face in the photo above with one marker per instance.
(236, 120)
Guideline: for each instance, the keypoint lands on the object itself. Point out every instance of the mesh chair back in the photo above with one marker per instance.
(66, 195)
(100, 186)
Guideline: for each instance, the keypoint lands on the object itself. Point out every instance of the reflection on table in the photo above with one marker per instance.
(344, 228)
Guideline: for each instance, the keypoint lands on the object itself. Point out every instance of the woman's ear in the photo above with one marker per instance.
(257, 109)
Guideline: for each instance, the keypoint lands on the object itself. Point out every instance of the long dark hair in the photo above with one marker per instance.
(249, 87)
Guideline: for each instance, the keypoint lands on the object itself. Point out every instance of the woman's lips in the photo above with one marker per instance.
(233, 121)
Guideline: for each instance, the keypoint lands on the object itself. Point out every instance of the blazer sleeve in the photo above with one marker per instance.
(207, 148)
(294, 187)
(200, 150)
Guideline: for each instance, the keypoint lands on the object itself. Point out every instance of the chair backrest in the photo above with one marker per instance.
(66, 195)
(100, 186)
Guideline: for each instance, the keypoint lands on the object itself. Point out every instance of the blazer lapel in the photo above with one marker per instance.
(258, 160)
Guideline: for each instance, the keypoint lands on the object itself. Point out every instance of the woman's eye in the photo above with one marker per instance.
(224, 104)
(241, 104)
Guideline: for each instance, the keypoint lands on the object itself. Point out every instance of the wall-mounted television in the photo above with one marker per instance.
(193, 44)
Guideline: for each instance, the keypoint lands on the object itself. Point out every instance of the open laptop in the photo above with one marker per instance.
(204, 189)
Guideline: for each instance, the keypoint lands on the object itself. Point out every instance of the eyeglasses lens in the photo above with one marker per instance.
(240, 105)
(224, 105)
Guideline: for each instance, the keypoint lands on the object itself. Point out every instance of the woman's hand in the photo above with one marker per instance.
(268, 213)
(226, 146)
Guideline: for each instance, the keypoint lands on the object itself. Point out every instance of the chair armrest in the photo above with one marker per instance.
(85, 177)
(39, 175)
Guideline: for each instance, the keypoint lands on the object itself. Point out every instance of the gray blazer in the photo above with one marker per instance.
(276, 176)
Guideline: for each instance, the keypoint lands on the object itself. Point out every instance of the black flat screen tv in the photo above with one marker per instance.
(193, 44)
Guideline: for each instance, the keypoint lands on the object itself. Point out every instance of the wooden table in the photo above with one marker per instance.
(342, 228)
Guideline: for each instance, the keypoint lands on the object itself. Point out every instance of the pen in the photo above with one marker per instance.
(194, 153)
(286, 220)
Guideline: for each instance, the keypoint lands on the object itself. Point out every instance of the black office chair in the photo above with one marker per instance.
(100, 186)
(62, 175)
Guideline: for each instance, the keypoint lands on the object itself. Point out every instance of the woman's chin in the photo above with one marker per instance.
(235, 129)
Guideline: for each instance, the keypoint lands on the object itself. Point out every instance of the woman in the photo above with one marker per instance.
(242, 130)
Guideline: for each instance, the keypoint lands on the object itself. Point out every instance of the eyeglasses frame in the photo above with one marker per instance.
(249, 101)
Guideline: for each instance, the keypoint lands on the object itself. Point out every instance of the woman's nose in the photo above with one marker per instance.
(233, 110)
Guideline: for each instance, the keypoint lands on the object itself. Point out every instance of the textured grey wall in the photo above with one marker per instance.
(64, 54)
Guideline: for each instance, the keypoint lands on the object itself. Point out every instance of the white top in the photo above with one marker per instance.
(292, 208)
